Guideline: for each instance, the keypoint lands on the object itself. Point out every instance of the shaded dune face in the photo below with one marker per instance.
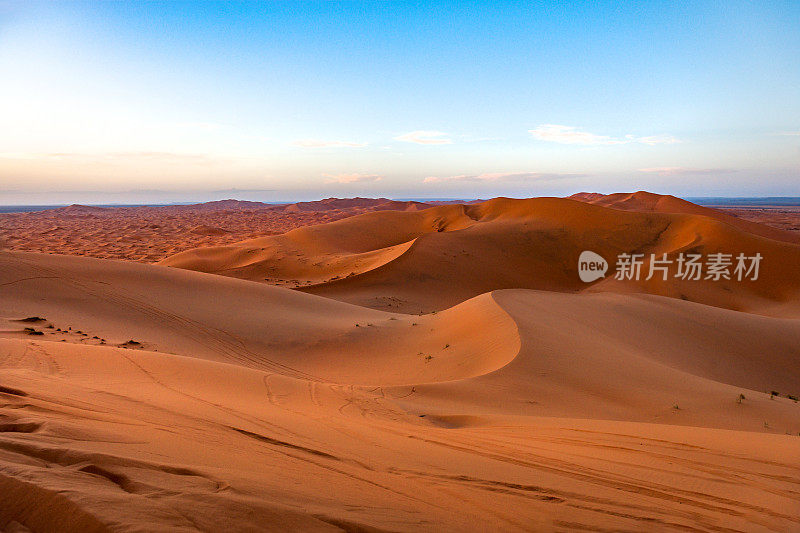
(138, 397)
(438, 257)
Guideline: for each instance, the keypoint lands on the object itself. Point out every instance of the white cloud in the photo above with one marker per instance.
(500, 176)
(657, 139)
(790, 133)
(561, 134)
(569, 135)
(683, 171)
(424, 137)
(315, 143)
(351, 178)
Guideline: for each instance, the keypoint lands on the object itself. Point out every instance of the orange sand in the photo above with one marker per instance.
(151, 233)
(165, 399)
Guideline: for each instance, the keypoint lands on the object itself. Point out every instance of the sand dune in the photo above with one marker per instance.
(659, 203)
(138, 397)
(256, 326)
(669, 353)
(151, 233)
(104, 438)
(268, 386)
(372, 204)
(322, 253)
(438, 257)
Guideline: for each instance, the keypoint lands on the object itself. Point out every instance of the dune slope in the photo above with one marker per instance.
(274, 411)
(433, 259)
(252, 325)
(139, 397)
(664, 203)
(100, 438)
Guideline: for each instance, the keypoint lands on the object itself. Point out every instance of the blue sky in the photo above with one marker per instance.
(150, 101)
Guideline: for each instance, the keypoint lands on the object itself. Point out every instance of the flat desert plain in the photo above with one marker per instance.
(784, 217)
(374, 366)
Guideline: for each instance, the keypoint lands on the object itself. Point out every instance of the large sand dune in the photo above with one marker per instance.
(658, 203)
(438, 257)
(138, 397)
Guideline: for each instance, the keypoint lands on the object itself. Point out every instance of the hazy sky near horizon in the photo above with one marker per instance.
(170, 101)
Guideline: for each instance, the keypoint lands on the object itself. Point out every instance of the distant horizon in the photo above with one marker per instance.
(154, 197)
(721, 201)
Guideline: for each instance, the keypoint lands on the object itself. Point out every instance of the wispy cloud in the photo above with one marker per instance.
(683, 171)
(570, 135)
(159, 156)
(20, 155)
(234, 191)
(315, 143)
(351, 178)
(501, 176)
(561, 134)
(425, 137)
(198, 125)
(790, 133)
(162, 157)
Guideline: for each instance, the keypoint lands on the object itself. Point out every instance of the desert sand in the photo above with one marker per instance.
(784, 217)
(151, 233)
(429, 260)
(405, 368)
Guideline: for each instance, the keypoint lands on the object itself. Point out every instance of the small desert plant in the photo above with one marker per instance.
(676, 407)
(772, 394)
(741, 398)
(793, 398)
